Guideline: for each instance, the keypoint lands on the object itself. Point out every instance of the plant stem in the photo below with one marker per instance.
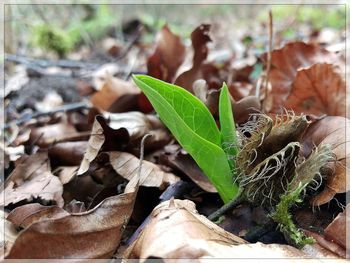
(229, 206)
(263, 104)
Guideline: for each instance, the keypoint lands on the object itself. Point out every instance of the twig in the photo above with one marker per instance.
(142, 152)
(268, 60)
(64, 108)
(222, 210)
(45, 63)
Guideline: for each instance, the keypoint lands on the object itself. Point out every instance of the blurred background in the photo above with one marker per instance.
(61, 30)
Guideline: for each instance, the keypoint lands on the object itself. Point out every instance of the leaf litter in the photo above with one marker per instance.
(65, 199)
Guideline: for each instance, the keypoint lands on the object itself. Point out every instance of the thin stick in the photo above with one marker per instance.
(222, 210)
(268, 60)
(64, 108)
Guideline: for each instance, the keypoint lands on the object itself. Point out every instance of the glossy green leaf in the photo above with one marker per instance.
(228, 128)
(194, 127)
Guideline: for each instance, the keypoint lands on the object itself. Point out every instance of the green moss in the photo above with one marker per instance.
(284, 219)
(53, 39)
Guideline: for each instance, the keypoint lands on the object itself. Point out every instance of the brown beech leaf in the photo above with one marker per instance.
(167, 57)
(100, 134)
(138, 124)
(126, 165)
(123, 130)
(193, 236)
(68, 153)
(32, 179)
(285, 64)
(336, 231)
(49, 134)
(92, 234)
(25, 215)
(199, 37)
(330, 130)
(112, 89)
(318, 90)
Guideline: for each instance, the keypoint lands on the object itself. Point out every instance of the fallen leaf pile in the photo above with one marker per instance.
(108, 180)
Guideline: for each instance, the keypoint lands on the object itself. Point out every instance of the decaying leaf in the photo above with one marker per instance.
(194, 237)
(126, 165)
(92, 234)
(319, 89)
(32, 179)
(167, 57)
(330, 130)
(285, 64)
(199, 37)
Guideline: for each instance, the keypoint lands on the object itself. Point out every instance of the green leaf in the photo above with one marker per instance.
(194, 127)
(228, 128)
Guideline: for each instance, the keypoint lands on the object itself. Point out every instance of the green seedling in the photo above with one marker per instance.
(195, 129)
(264, 168)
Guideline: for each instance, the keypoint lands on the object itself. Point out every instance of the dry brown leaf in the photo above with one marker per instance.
(328, 245)
(176, 230)
(112, 89)
(67, 173)
(32, 179)
(99, 134)
(126, 165)
(92, 234)
(68, 153)
(49, 134)
(124, 129)
(199, 37)
(167, 57)
(178, 221)
(336, 231)
(330, 130)
(25, 215)
(285, 64)
(318, 90)
(185, 164)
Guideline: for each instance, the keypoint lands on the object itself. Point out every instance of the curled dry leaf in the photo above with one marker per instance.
(100, 133)
(92, 234)
(194, 236)
(126, 165)
(32, 179)
(167, 57)
(124, 129)
(199, 37)
(318, 90)
(285, 64)
(330, 130)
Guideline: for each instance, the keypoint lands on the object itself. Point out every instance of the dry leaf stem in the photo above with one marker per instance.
(268, 69)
